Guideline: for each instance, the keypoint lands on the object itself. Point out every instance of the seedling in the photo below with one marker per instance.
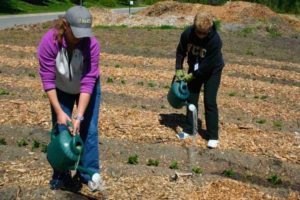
(277, 123)
(44, 148)
(153, 162)
(151, 84)
(123, 82)
(35, 144)
(2, 141)
(232, 94)
(31, 75)
(141, 83)
(4, 91)
(22, 142)
(174, 165)
(162, 106)
(228, 172)
(249, 52)
(275, 180)
(110, 80)
(261, 121)
(263, 97)
(166, 87)
(197, 170)
(117, 66)
(45, 95)
(273, 31)
(133, 159)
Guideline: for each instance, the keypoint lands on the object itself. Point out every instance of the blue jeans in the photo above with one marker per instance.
(88, 128)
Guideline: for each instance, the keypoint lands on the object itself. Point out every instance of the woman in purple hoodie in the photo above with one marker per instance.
(69, 68)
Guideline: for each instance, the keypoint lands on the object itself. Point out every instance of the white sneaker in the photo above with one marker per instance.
(96, 184)
(212, 144)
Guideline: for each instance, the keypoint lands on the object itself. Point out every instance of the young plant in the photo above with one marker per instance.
(133, 159)
(117, 66)
(197, 170)
(151, 84)
(123, 82)
(110, 80)
(31, 75)
(228, 172)
(275, 180)
(35, 144)
(261, 121)
(2, 141)
(4, 91)
(153, 162)
(141, 83)
(44, 148)
(277, 123)
(174, 165)
(232, 94)
(22, 142)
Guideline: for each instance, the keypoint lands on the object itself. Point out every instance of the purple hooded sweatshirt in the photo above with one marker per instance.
(75, 75)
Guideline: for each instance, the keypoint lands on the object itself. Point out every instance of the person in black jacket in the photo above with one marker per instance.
(202, 45)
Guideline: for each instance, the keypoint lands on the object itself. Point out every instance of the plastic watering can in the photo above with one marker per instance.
(64, 150)
(178, 94)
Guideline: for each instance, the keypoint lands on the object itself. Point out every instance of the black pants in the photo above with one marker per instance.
(211, 82)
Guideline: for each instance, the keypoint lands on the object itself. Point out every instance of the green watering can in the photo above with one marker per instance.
(64, 150)
(178, 94)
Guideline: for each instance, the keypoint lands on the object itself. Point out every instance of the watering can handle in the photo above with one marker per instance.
(173, 79)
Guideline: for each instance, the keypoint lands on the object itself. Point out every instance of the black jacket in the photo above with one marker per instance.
(206, 51)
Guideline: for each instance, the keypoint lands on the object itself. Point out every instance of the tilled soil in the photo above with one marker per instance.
(258, 156)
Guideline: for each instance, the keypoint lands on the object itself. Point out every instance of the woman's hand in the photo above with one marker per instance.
(76, 127)
(63, 118)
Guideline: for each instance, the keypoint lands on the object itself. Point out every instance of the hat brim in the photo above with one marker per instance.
(82, 32)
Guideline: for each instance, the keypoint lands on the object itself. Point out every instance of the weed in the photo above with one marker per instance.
(151, 84)
(197, 170)
(153, 162)
(232, 94)
(133, 159)
(228, 172)
(35, 144)
(275, 180)
(174, 165)
(4, 91)
(261, 121)
(141, 83)
(22, 142)
(44, 148)
(110, 80)
(2, 141)
(32, 75)
(277, 123)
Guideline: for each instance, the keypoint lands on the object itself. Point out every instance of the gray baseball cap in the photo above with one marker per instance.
(80, 20)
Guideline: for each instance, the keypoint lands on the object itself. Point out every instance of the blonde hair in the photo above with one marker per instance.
(59, 27)
(203, 21)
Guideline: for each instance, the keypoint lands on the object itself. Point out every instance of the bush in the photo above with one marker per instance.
(109, 3)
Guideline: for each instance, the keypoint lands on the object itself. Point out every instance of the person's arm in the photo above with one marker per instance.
(181, 51)
(88, 82)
